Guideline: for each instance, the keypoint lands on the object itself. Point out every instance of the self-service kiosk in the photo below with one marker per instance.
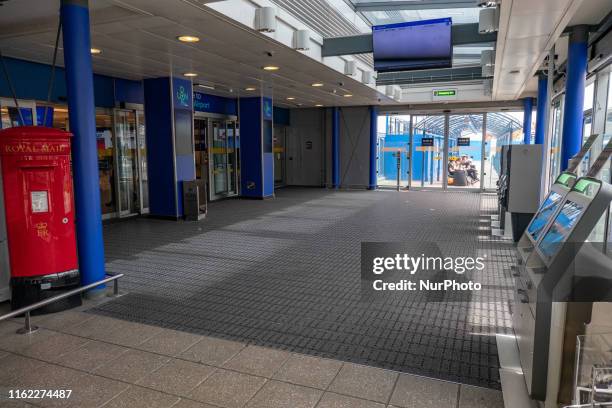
(39, 215)
(547, 274)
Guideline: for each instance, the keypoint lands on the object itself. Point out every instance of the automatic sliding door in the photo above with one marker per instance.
(127, 162)
(465, 138)
(232, 162)
(219, 182)
(427, 151)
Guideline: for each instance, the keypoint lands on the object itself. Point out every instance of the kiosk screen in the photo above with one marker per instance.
(560, 229)
(546, 211)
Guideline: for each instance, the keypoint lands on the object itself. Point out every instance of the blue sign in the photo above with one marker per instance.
(214, 104)
(182, 93)
(268, 110)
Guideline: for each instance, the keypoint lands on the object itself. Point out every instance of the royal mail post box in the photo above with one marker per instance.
(39, 210)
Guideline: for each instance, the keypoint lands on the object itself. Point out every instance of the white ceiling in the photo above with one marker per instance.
(138, 40)
(528, 30)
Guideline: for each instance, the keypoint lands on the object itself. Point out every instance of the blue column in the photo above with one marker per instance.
(335, 148)
(528, 110)
(373, 140)
(80, 88)
(574, 94)
(541, 119)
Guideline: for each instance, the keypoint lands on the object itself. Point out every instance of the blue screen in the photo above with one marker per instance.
(560, 229)
(413, 45)
(547, 209)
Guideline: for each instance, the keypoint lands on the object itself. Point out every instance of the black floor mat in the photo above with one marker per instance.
(285, 273)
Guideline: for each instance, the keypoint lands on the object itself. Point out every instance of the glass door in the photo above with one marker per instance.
(200, 133)
(465, 159)
(555, 141)
(280, 133)
(232, 157)
(127, 162)
(427, 151)
(218, 162)
(143, 171)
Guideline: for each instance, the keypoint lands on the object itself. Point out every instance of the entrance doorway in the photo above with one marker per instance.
(280, 141)
(131, 158)
(446, 151)
(217, 151)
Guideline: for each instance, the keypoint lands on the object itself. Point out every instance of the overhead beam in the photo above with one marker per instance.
(430, 76)
(462, 34)
(412, 5)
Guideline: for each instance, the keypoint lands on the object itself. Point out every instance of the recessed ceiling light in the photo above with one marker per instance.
(190, 74)
(250, 89)
(317, 84)
(96, 51)
(212, 87)
(271, 68)
(291, 98)
(318, 105)
(515, 71)
(348, 96)
(188, 38)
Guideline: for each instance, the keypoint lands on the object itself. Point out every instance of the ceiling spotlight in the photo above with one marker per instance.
(188, 39)
(291, 98)
(190, 74)
(250, 89)
(271, 68)
(317, 84)
(348, 96)
(211, 87)
(96, 51)
(318, 105)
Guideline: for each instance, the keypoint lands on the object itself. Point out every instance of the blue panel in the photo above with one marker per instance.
(40, 116)
(268, 109)
(160, 151)
(573, 114)
(182, 93)
(335, 176)
(79, 78)
(528, 111)
(214, 104)
(282, 116)
(269, 174)
(127, 91)
(541, 119)
(251, 152)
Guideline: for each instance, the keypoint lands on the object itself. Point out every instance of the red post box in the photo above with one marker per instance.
(39, 208)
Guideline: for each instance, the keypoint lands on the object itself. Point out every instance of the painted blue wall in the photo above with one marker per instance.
(31, 81)
(183, 134)
(158, 114)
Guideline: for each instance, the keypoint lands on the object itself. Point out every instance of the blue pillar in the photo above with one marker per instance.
(528, 110)
(541, 119)
(373, 150)
(574, 94)
(335, 148)
(79, 84)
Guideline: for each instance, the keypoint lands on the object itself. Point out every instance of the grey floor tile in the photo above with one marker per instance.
(89, 391)
(60, 321)
(177, 377)
(185, 403)
(92, 328)
(131, 366)
(260, 361)
(26, 373)
(14, 404)
(47, 350)
(138, 397)
(475, 397)
(13, 342)
(364, 382)
(212, 351)
(228, 389)
(169, 342)
(308, 371)
(331, 400)
(277, 394)
(90, 356)
(419, 392)
(115, 331)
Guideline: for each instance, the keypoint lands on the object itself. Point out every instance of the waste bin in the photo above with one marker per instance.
(194, 200)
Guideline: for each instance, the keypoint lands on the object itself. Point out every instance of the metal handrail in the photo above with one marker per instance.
(29, 328)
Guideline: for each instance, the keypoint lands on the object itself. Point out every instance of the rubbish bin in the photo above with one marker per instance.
(194, 200)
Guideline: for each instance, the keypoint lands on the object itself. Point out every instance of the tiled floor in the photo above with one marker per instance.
(114, 363)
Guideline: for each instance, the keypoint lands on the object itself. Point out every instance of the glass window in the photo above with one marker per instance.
(589, 94)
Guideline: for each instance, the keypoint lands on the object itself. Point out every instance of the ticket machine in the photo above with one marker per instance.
(39, 209)
(543, 274)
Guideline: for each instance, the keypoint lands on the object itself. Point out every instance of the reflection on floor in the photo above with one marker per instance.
(285, 273)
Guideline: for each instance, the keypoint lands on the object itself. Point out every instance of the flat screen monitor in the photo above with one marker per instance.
(544, 214)
(413, 45)
(560, 229)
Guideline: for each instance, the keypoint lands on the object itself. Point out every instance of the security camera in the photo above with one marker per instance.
(340, 83)
(270, 53)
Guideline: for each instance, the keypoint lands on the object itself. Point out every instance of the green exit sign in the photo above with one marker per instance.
(450, 92)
